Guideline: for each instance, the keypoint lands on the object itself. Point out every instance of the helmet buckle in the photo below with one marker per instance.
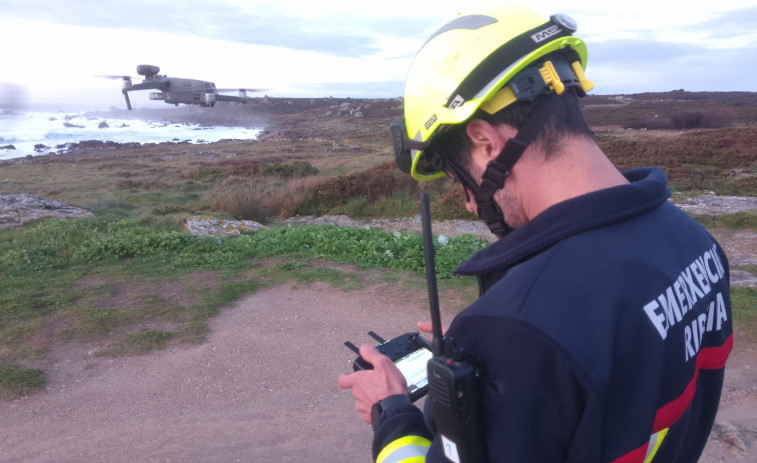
(586, 84)
(551, 78)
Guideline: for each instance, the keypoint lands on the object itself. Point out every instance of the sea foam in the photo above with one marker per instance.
(26, 130)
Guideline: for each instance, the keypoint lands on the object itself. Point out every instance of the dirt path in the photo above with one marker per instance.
(262, 388)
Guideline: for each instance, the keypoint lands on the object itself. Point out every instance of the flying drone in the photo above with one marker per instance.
(175, 90)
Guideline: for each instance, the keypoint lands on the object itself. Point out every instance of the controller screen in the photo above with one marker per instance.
(414, 368)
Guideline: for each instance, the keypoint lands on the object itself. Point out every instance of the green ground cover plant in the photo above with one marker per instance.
(16, 380)
(744, 306)
(62, 279)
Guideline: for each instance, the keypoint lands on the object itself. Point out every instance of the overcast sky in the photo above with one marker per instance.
(342, 48)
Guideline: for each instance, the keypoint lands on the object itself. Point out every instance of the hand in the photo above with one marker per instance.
(427, 328)
(370, 386)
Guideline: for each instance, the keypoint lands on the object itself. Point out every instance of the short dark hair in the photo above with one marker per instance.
(564, 122)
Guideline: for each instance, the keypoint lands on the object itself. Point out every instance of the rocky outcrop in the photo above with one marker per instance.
(18, 209)
(712, 204)
(211, 226)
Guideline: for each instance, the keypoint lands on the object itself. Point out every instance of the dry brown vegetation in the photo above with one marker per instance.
(313, 157)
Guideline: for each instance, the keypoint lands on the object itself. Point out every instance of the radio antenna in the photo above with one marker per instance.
(433, 293)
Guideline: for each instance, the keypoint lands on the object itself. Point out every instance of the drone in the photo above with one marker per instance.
(175, 90)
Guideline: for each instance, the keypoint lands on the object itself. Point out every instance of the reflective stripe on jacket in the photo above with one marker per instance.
(408, 449)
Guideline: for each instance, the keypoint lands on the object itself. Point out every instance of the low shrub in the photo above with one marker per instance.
(684, 119)
(295, 169)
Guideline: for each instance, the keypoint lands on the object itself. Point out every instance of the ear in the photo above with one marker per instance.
(487, 138)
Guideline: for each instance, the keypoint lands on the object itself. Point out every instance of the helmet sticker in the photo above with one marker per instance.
(456, 102)
(430, 121)
(546, 33)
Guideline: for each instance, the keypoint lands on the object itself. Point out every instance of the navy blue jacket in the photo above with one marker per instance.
(603, 328)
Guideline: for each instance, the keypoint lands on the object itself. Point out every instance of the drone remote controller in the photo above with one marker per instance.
(410, 352)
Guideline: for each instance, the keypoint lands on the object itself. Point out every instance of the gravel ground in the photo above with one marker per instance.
(262, 388)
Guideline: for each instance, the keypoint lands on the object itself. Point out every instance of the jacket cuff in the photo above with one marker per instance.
(400, 420)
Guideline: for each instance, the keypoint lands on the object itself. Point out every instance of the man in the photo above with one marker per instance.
(604, 321)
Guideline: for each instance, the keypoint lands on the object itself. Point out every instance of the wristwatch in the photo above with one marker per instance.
(380, 407)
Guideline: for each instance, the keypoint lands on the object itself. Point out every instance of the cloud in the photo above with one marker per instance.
(336, 34)
(386, 89)
(730, 24)
(631, 66)
(347, 48)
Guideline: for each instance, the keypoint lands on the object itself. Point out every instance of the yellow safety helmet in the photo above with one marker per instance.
(468, 63)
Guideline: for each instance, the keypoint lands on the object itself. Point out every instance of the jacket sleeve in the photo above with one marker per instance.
(401, 436)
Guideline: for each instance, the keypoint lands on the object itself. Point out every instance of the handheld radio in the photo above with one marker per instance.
(452, 375)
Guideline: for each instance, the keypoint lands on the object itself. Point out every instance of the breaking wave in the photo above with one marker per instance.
(36, 133)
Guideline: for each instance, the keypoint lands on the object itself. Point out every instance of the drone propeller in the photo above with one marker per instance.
(241, 89)
(106, 76)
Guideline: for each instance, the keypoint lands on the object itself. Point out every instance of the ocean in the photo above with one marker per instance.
(25, 130)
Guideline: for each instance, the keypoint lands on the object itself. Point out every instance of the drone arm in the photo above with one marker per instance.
(148, 86)
(238, 99)
(142, 86)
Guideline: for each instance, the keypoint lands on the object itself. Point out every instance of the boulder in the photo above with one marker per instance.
(211, 226)
(18, 209)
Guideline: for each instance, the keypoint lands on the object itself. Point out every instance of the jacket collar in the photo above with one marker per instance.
(647, 190)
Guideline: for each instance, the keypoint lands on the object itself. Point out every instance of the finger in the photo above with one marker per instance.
(371, 355)
(426, 327)
(346, 381)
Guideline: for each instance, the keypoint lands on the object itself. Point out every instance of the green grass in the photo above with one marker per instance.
(97, 278)
(16, 381)
(744, 308)
(144, 342)
(400, 204)
(735, 221)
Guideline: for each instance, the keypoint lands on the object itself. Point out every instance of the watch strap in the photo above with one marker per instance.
(381, 407)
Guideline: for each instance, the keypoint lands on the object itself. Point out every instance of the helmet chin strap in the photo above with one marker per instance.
(499, 169)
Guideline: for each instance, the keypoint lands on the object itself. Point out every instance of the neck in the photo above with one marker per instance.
(577, 168)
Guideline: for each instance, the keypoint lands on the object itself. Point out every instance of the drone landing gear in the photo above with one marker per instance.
(126, 96)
